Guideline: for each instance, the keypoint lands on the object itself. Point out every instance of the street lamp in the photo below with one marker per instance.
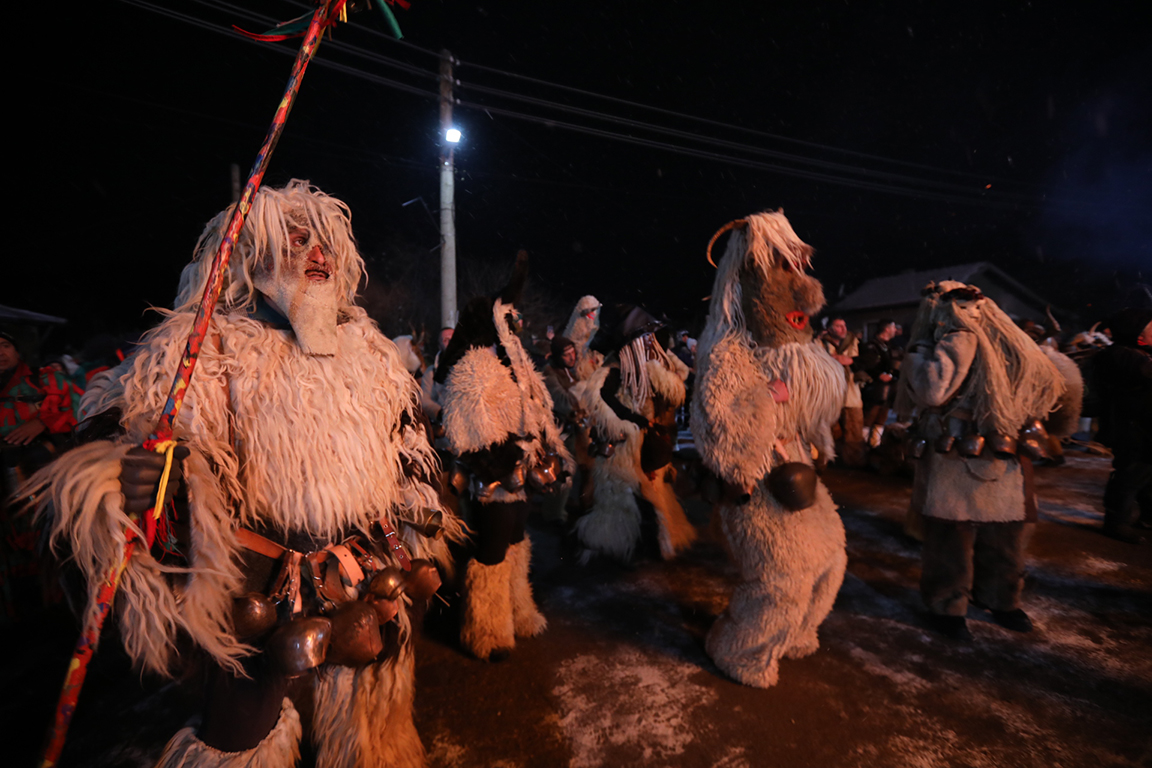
(452, 135)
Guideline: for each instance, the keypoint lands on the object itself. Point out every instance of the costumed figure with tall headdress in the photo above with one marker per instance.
(497, 417)
(766, 395)
(582, 327)
(631, 403)
(306, 485)
(979, 387)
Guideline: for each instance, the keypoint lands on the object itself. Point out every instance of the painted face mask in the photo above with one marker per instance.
(303, 290)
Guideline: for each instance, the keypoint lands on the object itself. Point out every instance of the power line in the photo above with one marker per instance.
(996, 200)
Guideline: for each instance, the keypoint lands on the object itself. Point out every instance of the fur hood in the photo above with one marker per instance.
(486, 399)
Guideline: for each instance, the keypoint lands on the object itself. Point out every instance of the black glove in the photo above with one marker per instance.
(140, 472)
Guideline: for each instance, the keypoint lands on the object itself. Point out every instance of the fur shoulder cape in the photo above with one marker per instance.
(324, 445)
(484, 401)
(735, 420)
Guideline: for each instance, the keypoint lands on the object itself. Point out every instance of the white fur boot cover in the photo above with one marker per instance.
(487, 624)
(527, 621)
(279, 749)
(364, 716)
(676, 533)
(791, 567)
(612, 526)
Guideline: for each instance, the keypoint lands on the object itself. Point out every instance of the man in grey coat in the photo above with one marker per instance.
(975, 380)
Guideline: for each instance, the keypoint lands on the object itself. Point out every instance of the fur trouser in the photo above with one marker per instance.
(364, 716)
(362, 719)
(966, 561)
(852, 433)
(279, 749)
(791, 567)
(613, 526)
(498, 603)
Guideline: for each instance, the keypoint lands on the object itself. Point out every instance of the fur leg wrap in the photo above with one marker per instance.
(487, 625)
(364, 716)
(791, 567)
(612, 527)
(676, 533)
(527, 621)
(279, 749)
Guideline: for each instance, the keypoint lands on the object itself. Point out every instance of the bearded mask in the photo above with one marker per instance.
(301, 287)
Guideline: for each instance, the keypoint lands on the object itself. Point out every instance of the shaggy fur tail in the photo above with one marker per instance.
(364, 716)
(527, 621)
(676, 533)
(612, 527)
(488, 624)
(279, 749)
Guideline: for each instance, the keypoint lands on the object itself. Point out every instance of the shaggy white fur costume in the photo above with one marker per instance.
(280, 438)
(612, 526)
(791, 563)
(484, 401)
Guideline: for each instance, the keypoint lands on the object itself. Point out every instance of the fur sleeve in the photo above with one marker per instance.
(81, 495)
(936, 375)
(480, 402)
(734, 418)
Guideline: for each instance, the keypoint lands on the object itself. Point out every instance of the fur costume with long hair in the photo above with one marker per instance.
(969, 361)
(581, 330)
(757, 336)
(279, 439)
(494, 398)
(612, 525)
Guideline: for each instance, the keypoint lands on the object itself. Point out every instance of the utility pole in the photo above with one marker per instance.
(447, 199)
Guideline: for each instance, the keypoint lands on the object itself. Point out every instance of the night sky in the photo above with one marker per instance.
(129, 120)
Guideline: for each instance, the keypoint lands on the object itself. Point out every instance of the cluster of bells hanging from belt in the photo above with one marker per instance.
(542, 476)
(1031, 443)
(347, 633)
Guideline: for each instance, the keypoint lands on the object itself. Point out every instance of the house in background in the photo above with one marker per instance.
(897, 296)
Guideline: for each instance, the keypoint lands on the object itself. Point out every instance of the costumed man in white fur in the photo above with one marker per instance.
(582, 327)
(979, 387)
(631, 402)
(302, 452)
(766, 394)
(497, 418)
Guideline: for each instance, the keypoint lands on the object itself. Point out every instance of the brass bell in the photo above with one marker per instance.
(300, 645)
(793, 484)
(971, 445)
(1004, 446)
(252, 614)
(355, 634)
(458, 479)
(388, 584)
(515, 479)
(431, 527)
(386, 610)
(944, 443)
(555, 464)
(1033, 440)
(541, 476)
(917, 447)
(1030, 448)
(422, 581)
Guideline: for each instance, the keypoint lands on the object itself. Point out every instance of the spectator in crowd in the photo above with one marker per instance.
(37, 411)
(844, 347)
(429, 389)
(878, 367)
(560, 376)
(1123, 376)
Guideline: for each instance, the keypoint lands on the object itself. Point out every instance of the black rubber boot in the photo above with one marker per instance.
(1015, 620)
(952, 627)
